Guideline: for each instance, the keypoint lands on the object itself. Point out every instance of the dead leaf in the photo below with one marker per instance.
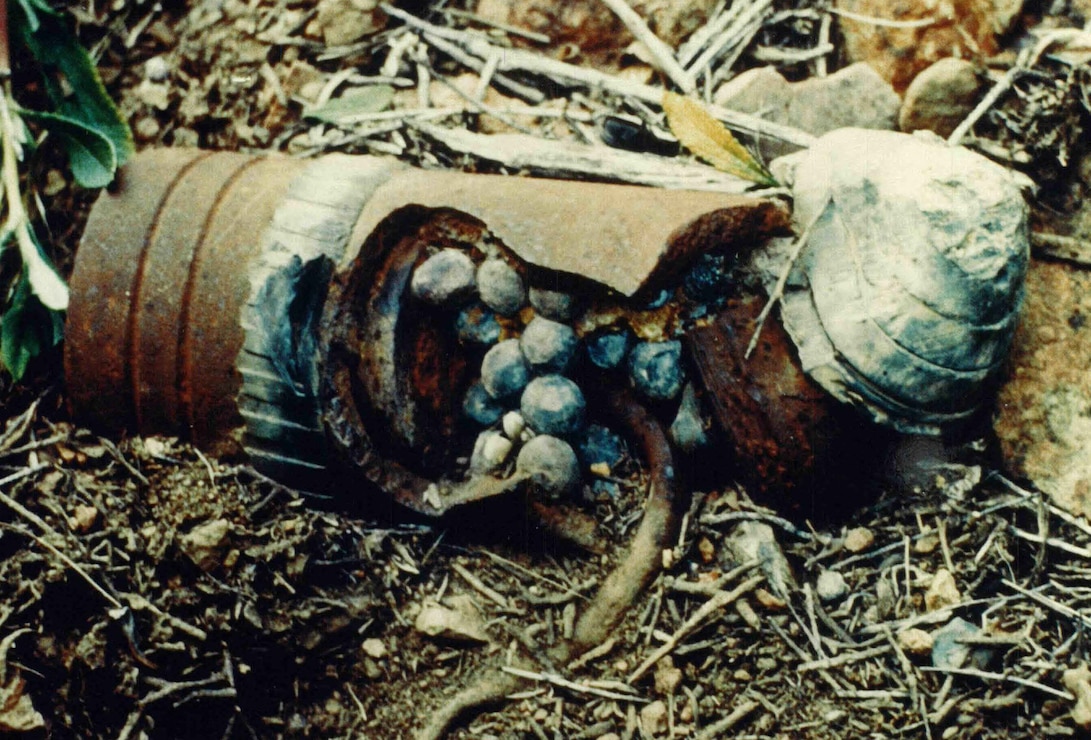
(17, 712)
(710, 140)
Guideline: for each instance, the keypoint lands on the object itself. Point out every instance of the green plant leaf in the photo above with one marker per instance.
(65, 65)
(90, 154)
(343, 110)
(26, 329)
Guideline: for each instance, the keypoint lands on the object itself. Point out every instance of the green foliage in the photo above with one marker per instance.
(86, 123)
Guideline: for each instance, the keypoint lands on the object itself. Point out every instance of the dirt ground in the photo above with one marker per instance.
(147, 590)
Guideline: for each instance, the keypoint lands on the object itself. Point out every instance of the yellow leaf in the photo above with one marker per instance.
(710, 140)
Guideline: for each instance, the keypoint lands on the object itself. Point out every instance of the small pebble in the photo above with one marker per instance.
(831, 586)
(513, 424)
(859, 539)
(504, 371)
(653, 718)
(500, 287)
(554, 304)
(948, 650)
(444, 279)
(477, 324)
(480, 407)
(551, 463)
(601, 445)
(157, 69)
(706, 280)
(655, 369)
(942, 592)
(688, 428)
(915, 641)
(548, 345)
(607, 350)
(491, 450)
(553, 404)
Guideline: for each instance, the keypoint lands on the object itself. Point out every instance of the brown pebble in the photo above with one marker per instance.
(942, 592)
(940, 97)
(915, 641)
(859, 539)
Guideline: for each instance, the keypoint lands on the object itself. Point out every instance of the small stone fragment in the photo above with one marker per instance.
(940, 97)
(706, 280)
(608, 349)
(756, 541)
(942, 592)
(346, 21)
(444, 279)
(373, 647)
(947, 649)
(553, 404)
(687, 431)
(83, 518)
(500, 287)
(859, 539)
(551, 464)
(856, 96)
(459, 622)
(655, 369)
(481, 407)
(548, 345)
(477, 324)
(157, 69)
(554, 304)
(513, 425)
(204, 543)
(504, 371)
(831, 586)
(653, 718)
(667, 677)
(491, 450)
(1078, 682)
(915, 641)
(601, 445)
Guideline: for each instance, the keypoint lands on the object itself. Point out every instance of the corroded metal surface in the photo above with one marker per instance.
(156, 291)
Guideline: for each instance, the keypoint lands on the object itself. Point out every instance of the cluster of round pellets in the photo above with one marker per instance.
(528, 402)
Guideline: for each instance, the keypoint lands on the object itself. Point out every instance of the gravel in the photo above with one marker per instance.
(444, 279)
(554, 405)
(607, 350)
(554, 304)
(480, 407)
(549, 346)
(655, 369)
(504, 371)
(477, 324)
(551, 464)
(500, 287)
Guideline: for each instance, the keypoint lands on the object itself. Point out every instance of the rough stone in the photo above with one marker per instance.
(653, 718)
(600, 445)
(608, 349)
(346, 21)
(554, 304)
(948, 650)
(856, 96)
(500, 287)
(756, 541)
(204, 544)
(551, 464)
(941, 97)
(915, 641)
(548, 345)
(655, 369)
(504, 371)
(477, 324)
(553, 404)
(446, 278)
(831, 586)
(480, 407)
(961, 28)
(1078, 682)
(942, 591)
(491, 450)
(459, 621)
(1042, 416)
(687, 431)
(859, 539)
(513, 425)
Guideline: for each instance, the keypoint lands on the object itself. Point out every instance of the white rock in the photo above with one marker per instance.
(831, 586)
(513, 424)
(491, 450)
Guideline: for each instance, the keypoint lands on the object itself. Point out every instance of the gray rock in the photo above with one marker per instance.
(491, 450)
(549, 346)
(688, 428)
(949, 652)
(444, 279)
(554, 405)
(655, 369)
(856, 96)
(477, 324)
(550, 463)
(554, 304)
(504, 371)
(831, 586)
(500, 287)
(940, 97)
(480, 407)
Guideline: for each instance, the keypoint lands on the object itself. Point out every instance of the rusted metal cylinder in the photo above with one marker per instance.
(153, 325)
(200, 283)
